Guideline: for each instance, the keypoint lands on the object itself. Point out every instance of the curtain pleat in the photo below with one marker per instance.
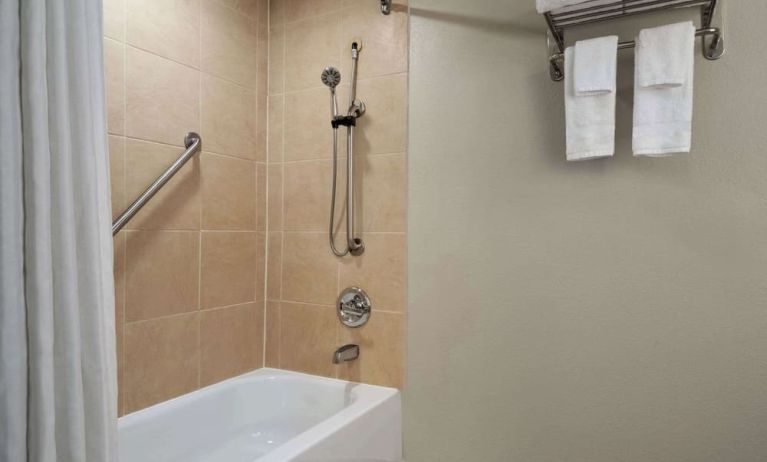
(38, 248)
(13, 336)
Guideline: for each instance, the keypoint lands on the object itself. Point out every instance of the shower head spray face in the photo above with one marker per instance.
(331, 77)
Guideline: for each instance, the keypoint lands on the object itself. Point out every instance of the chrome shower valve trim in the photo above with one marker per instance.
(354, 307)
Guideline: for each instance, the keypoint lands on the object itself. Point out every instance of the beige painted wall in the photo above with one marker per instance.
(303, 277)
(594, 312)
(190, 295)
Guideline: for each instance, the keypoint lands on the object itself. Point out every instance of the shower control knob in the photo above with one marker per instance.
(354, 307)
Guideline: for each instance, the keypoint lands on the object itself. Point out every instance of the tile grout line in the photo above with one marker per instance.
(282, 193)
(179, 146)
(123, 323)
(231, 8)
(188, 66)
(343, 157)
(199, 249)
(192, 312)
(325, 305)
(369, 78)
(266, 189)
(301, 231)
(265, 75)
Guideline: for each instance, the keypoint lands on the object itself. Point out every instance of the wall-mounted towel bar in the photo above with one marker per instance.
(600, 10)
(193, 143)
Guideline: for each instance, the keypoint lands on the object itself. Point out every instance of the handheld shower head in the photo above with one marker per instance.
(331, 77)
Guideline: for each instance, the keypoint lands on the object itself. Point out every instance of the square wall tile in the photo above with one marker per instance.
(228, 118)
(382, 350)
(383, 129)
(380, 270)
(276, 12)
(261, 265)
(309, 269)
(382, 192)
(162, 360)
(261, 126)
(311, 45)
(162, 98)
(228, 193)
(262, 58)
(384, 39)
(307, 193)
(275, 196)
(229, 44)
(261, 184)
(114, 67)
(302, 9)
(276, 60)
(117, 174)
(274, 267)
(169, 28)
(228, 268)
(272, 343)
(114, 19)
(177, 204)
(247, 7)
(308, 134)
(231, 342)
(262, 7)
(276, 110)
(162, 273)
(308, 338)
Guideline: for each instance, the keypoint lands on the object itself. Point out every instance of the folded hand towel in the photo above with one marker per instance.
(663, 113)
(663, 54)
(590, 119)
(595, 65)
(544, 6)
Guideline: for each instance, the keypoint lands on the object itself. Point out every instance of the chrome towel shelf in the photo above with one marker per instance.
(601, 10)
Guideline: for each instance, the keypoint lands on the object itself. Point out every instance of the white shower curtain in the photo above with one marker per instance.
(57, 346)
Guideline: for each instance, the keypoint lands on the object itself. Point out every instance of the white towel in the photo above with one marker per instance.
(663, 112)
(595, 65)
(663, 54)
(544, 6)
(590, 119)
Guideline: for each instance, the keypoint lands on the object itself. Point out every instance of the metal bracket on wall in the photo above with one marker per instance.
(599, 11)
(385, 7)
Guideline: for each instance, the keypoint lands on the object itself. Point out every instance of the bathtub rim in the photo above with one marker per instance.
(366, 398)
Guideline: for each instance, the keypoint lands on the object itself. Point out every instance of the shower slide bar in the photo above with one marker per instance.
(193, 144)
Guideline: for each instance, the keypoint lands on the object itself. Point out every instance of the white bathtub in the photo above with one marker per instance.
(268, 416)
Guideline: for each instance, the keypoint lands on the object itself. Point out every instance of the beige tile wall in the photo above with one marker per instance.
(190, 267)
(303, 277)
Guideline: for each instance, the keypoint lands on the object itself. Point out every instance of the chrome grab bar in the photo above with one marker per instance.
(193, 144)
